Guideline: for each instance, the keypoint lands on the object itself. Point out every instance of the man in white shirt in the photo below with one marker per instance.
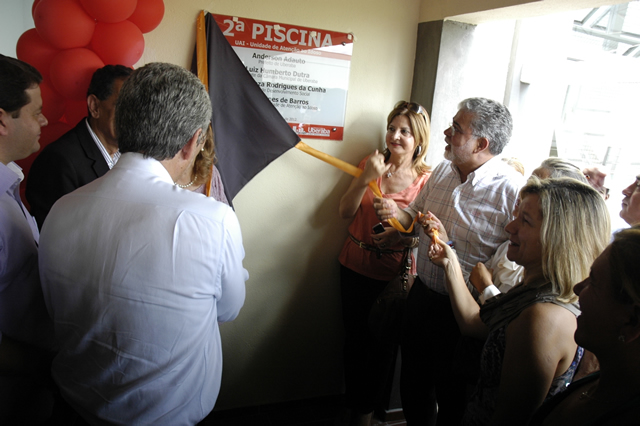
(137, 272)
(84, 153)
(473, 194)
(26, 331)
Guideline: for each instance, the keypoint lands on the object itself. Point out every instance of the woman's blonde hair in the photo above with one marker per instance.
(575, 230)
(515, 163)
(558, 167)
(205, 160)
(420, 128)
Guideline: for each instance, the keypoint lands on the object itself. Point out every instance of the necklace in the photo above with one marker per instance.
(186, 185)
(391, 173)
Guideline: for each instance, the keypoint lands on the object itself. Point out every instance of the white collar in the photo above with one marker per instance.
(135, 160)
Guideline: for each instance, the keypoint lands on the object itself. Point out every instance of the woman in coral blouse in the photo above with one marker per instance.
(369, 260)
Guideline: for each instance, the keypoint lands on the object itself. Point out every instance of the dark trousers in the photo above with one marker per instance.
(367, 363)
(431, 387)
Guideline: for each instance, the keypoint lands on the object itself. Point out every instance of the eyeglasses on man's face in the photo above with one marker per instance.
(454, 130)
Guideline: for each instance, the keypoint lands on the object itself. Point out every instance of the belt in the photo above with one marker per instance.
(369, 247)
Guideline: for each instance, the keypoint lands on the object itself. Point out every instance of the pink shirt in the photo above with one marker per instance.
(363, 261)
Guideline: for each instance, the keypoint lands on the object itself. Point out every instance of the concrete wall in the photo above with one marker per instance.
(471, 61)
(425, 71)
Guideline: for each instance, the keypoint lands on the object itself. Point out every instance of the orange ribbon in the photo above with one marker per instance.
(201, 50)
(353, 171)
(203, 71)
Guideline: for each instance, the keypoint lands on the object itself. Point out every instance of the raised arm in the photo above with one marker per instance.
(465, 308)
(373, 169)
(429, 222)
(482, 280)
(386, 208)
(539, 347)
(497, 275)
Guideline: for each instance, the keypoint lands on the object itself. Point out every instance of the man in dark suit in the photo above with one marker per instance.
(84, 153)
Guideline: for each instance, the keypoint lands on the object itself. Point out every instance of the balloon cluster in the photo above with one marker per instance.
(72, 39)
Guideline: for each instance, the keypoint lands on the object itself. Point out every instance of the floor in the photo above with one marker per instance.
(325, 411)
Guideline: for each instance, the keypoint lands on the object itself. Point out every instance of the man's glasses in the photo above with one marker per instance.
(454, 130)
(413, 107)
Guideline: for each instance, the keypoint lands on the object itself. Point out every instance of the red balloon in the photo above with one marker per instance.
(35, 51)
(148, 14)
(121, 43)
(63, 23)
(52, 102)
(33, 8)
(110, 11)
(71, 71)
(75, 111)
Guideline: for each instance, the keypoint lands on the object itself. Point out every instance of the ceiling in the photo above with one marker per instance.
(527, 10)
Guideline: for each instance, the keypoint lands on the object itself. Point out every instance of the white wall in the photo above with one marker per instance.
(286, 343)
(15, 18)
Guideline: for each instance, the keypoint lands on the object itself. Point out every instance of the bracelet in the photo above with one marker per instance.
(414, 242)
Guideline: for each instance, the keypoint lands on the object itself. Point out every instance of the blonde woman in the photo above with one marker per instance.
(609, 326)
(562, 225)
(499, 274)
(369, 260)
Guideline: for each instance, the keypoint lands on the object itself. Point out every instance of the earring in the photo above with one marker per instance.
(621, 338)
(418, 151)
(202, 149)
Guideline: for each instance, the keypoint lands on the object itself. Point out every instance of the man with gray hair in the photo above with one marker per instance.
(138, 272)
(631, 203)
(469, 198)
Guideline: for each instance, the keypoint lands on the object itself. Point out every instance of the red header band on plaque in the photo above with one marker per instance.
(303, 71)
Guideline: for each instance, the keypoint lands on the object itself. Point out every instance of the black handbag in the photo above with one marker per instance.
(387, 312)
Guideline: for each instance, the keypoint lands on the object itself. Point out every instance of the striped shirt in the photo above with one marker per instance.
(474, 214)
(111, 161)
